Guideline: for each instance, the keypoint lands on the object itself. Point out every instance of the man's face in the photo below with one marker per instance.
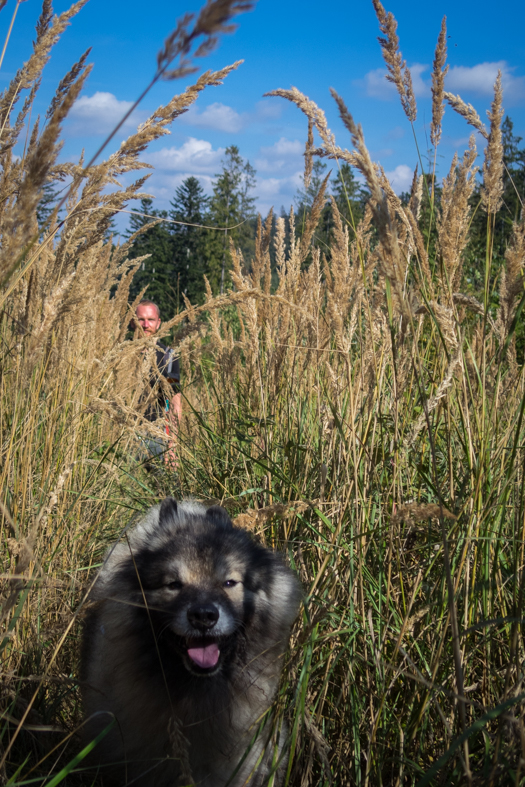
(148, 318)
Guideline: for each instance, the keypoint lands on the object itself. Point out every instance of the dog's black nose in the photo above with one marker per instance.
(203, 616)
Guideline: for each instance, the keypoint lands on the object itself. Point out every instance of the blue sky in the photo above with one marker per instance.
(313, 46)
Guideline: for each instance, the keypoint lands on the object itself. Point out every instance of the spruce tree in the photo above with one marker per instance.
(304, 199)
(189, 242)
(46, 204)
(513, 179)
(349, 196)
(157, 272)
(230, 205)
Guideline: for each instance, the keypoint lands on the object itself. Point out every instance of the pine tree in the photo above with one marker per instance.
(230, 205)
(157, 272)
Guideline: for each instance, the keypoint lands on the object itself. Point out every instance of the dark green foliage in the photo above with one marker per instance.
(157, 271)
(111, 231)
(189, 242)
(350, 197)
(181, 255)
(304, 199)
(513, 180)
(230, 205)
(47, 203)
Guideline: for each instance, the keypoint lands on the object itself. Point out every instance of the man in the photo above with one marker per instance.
(157, 403)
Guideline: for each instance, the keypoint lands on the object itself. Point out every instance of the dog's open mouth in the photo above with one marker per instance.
(204, 653)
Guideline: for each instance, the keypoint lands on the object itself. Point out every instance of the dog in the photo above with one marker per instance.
(183, 649)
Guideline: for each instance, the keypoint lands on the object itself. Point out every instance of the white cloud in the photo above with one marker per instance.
(194, 157)
(400, 178)
(421, 88)
(273, 188)
(218, 117)
(477, 79)
(163, 185)
(277, 192)
(481, 77)
(197, 157)
(221, 117)
(377, 85)
(284, 155)
(100, 113)
(284, 147)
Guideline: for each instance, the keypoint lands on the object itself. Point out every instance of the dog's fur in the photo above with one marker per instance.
(183, 646)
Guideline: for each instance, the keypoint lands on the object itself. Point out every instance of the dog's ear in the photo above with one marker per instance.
(219, 517)
(168, 512)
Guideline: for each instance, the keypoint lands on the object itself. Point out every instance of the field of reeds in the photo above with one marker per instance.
(357, 409)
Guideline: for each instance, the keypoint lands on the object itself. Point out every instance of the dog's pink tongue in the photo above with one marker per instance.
(205, 657)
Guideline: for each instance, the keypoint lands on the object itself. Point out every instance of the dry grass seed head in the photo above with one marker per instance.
(454, 216)
(414, 512)
(422, 270)
(317, 117)
(444, 317)
(467, 112)
(492, 190)
(256, 519)
(308, 155)
(391, 264)
(280, 246)
(80, 245)
(456, 363)
(398, 71)
(439, 73)
(312, 220)
(214, 19)
(512, 280)
(48, 32)
(18, 223)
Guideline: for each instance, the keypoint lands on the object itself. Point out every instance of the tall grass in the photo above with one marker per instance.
(365, 416)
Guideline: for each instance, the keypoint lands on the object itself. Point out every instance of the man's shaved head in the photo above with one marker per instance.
(146, 302)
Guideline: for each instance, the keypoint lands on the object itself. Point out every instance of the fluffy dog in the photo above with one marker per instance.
(183, 647)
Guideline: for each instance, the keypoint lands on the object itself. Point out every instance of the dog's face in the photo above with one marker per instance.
(199, 601)
(203, 583)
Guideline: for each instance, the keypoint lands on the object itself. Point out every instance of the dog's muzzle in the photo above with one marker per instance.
(203, 650)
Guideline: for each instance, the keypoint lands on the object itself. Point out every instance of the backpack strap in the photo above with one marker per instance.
(169, 367)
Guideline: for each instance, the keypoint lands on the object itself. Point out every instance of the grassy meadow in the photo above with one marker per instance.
(357, 408)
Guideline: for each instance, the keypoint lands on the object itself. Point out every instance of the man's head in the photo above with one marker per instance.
(148, 317)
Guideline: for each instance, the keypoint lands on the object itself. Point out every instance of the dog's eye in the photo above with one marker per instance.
(230, 583)
(175, 585)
